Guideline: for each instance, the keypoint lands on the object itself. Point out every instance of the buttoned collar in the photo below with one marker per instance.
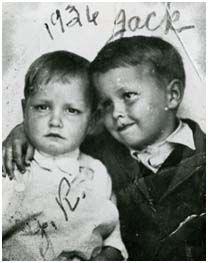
(153, 156)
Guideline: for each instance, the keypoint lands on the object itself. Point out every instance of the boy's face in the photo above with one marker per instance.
(133, 105)
(56, 117)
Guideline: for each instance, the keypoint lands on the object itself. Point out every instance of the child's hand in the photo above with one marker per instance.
(16, 150)
(108, 254)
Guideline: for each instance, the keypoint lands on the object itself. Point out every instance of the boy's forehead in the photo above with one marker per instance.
(73, 85)
(58, 79)
(66, 78)
(129, 73)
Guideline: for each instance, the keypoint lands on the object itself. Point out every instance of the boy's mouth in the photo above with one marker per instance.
(54, 135)
(124, 127)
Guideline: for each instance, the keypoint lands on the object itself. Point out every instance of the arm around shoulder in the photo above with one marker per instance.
(16, 149)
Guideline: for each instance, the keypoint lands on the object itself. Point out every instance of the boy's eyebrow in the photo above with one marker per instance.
(78, 102)
(121, 89)
(127, 88)
(73, 104)
(42, 101)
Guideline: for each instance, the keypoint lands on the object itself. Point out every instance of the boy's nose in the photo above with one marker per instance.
(118, 110)
(56, 120)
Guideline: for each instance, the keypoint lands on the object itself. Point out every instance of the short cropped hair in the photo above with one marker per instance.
(57, 64)
(132, 51)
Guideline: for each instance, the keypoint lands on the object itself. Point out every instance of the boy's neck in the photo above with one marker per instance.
(72, 155)
(173, 128)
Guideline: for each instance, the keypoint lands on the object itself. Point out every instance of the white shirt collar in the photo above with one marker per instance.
(182, 135)
(153, 156)
(67, 163)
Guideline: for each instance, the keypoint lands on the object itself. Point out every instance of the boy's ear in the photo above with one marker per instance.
(175, 92)
(23, 106)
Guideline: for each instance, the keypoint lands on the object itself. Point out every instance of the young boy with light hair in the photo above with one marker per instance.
(63, 208)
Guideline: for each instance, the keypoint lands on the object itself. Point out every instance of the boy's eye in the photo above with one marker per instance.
(41, 107)
(72, 111)
(130, 95)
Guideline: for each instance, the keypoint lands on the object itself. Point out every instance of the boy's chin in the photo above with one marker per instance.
(54, 151)
(134, 145)
(130, 141)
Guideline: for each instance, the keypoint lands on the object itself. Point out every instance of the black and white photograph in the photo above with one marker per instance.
(103, 131)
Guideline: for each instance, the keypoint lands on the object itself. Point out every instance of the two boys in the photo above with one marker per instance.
(156, 161)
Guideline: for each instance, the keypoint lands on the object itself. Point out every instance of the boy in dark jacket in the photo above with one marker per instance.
(156, 160)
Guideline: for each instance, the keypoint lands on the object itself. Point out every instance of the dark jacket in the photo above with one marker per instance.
(162, 215)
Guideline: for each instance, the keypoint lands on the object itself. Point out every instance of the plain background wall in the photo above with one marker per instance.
(25, 37)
